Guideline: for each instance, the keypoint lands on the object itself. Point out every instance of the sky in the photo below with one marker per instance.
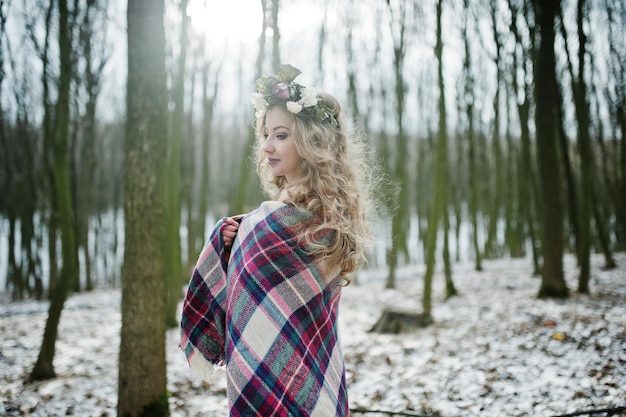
(232, 30)
(226, 23)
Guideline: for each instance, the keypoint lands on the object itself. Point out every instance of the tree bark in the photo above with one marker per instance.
(400, 217)
(617, 108)
(142, 387)
(451, 290)
(174, 276)
(393, 321)
(529, 204)
(546, 122)
(239, 197)
(496, 180)
(44, 368)
(86, 154)
(472, 180)
(275, 34)
(208, 105)
(439, 199)
(587, 169)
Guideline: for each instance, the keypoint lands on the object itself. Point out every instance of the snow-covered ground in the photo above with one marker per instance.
(495, 350)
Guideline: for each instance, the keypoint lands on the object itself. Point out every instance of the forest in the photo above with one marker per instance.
(126, 131)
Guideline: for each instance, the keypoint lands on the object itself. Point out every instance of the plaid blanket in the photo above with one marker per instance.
(267, 312)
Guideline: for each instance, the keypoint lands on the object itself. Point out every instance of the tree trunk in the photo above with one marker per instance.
(471, 151)
(48, 149)
(400, 217)
(238, 198)
(573, 198)
(351, 74)
(447, 264)
(587, 169)
(529, 200)
(496, 180)
(5, 170)
(514, 234)
(142, 389)
(617, 109)
(26, 203)
(208, 104)
(275, 34)
(174, 274)
(69, 271)
(602, 212)
(397, 321)
(87, 161)
(189, 167)
(439, 203)
(546, 122)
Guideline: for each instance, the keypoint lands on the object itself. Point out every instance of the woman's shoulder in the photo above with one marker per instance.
(272, 205)
(264, 210)
(280, 212)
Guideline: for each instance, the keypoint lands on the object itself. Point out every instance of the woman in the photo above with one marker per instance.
(264, 294)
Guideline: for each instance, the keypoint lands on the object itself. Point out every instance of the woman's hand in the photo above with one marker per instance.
(229, 230)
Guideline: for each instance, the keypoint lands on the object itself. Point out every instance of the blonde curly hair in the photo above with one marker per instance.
(334, 185)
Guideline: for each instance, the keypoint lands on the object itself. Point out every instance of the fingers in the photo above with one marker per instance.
(229, 230)
(230, 221)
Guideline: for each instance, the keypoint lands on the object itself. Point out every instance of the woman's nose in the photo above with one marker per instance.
(267, 146)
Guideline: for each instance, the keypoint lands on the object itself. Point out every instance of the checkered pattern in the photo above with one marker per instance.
(270, 317)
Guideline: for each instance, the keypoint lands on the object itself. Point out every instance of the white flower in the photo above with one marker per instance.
(294, 107)
(258, 100)
(309, 97)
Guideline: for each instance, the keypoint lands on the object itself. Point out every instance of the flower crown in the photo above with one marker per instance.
(297, 98)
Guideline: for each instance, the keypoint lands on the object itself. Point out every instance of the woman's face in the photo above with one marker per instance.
(279, 146)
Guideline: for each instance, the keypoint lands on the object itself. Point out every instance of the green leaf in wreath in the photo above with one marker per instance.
(287, 73)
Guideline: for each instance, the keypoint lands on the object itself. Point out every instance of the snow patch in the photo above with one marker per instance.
(495, 350)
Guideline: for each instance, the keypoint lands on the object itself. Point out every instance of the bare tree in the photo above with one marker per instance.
(23, 168)
(275, 34)
(43, 51)
(438, 210)
(614, 149)
(3, 144)
(92, 50)
(351, 71)
(69, 272)
(468, 103)
(496, 189)
(588, 198)
(20, 171)
(245, 174)
(142, 387)
(549, 161)
(173, 267)
(528, 197)
(209, 97)
(399, 21)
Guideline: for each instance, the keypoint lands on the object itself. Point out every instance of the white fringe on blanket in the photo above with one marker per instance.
(200, 366)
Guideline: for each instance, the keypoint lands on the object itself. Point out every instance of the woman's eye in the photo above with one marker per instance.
(281, 136)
